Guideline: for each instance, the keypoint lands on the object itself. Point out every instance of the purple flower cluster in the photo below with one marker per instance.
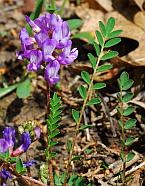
(8, 142)
(4, 175)
(49, 46)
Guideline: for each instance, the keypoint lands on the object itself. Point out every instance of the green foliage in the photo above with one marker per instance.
(130, 124)
(97, 49)
(7, 90)
(110, 25)
(109, 55)
(114, 34)
(130, 156)
(104, 68)
(23, 88)
(124, 82)
(86, 77)
(125, 111)
(94, 101)
(102, 28)
(19, 166)
(129, 141)
(44, 173)
(83, 92)
(129, 110)
(98, 86)
(75, 115)
(53, 124)
(74, 23)
(100, 38)
(92, 60)
(112, 42)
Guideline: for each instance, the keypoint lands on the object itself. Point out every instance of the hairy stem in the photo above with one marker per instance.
(50, 168)
(81, 115)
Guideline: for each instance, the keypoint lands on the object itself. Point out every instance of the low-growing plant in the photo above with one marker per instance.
(125, 122)
(46, 45)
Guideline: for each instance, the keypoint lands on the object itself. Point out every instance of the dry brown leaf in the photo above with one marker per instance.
(139, 19)
(141, 4)
(106, 4)
(90, 17)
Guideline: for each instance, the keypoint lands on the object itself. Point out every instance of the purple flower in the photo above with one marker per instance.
(4, 175)
(68, 55)
(29, 163)
(49, 47)
(34, 27)
(25, 142)
(35, 57)
(4, 146)
(51, 72)
(9, 134)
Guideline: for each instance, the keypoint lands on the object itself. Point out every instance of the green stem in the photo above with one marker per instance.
(50, 168)
(81, 115)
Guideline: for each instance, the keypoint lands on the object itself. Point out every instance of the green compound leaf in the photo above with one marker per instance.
(75, 115)
(83, 92)
(104, 68)
(86, 77)
(127, 97)
(84, 35)
(94, 101)
(129, 141)
(114, 34)
(97, 48)
(128, 111)
(98, 86)
(109, 55)
(74, 23)
(102, 28)
(130, 156)
(23, 89)
(92, 60)
(112, 42)
(99, 37)
(110, 25)
(130, 124)
(53, 143)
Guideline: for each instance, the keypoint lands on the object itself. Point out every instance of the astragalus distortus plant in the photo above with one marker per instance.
(46, 48)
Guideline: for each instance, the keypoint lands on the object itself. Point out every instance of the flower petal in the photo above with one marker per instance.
(41, 37)
(48, 48)
(51, 72)
(4, 146)
(25, 142)
(34, 27)
(35, 57)
(9, 134)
